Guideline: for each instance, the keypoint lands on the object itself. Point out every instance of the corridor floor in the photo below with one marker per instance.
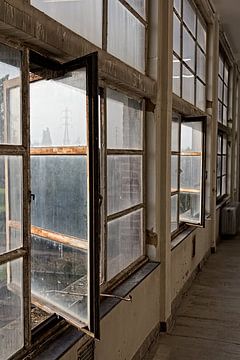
(207, 324)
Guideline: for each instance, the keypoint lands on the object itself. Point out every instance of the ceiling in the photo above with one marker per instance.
(229, 11)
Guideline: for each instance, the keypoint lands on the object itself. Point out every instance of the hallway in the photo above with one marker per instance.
(207, 324)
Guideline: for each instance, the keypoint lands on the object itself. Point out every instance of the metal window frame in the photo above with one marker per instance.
(90, 62)
(182, 225)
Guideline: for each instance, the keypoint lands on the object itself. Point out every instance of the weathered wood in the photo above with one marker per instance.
(59, 150)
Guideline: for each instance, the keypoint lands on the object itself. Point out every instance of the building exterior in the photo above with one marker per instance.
(119, 147)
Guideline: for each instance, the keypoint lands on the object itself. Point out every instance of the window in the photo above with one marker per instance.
(123, 36)
(223, 91)
(189, 53)
(222, 163)
(125, 191)
(187, 171)
(223, 124)
(82, 16)
(126, 32)
(63, 275)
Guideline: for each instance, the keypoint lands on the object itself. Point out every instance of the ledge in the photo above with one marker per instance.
(181, 237)
(54, 349)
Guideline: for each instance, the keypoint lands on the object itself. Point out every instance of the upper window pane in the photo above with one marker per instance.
(139, 6)
(188, 85)
(176, 76)
(189, 16)
(124, 122)
(191, 137)
(176, 34)
(188, 49)
(126, 36)
(177, 6)
(82, 16)
(62, 119)
(202, 36)
(10, 96)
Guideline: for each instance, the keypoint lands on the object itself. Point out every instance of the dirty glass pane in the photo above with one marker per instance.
(175, 134)
(191, 173)
(219, 165)
(226, 74)
(221, 67)
(10, 202)
(224, 139)
(190, 207)
(176, 76)
(62, 119)
(176, 34)
(174, 213)
(219, 144)
(59, 277)
(189, 16)
(220, 89)
(191, 137)
(139, 6)
(188, 49)
(82, 16)
(220, 112)
(124, 182)
(126, 36)
(225, 95)
(202, 36)
(224, 185)
(201, 64)
(201, 96)
(11, 309)
(124, 122)
(224, 165)
(188, 85)
(125, 236)
(225, 115)
(174, 172)
(218, 187)
(10, 98)
(59, 184)
(177, 5)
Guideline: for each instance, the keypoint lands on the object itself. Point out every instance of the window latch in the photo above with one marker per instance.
(125, 298)
(32, 196)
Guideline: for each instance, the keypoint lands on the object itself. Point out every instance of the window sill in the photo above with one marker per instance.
(181, 237)
(57, 347)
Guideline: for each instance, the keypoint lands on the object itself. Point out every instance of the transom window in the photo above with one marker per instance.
(189, 53)
(187, 171)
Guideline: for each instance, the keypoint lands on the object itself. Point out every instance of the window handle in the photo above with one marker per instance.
(32, 196)
(125, 298)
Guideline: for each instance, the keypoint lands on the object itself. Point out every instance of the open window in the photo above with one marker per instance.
(65, 189)
(188, 166)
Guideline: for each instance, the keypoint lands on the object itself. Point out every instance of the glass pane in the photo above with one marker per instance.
(176, 34)
(220, 112)
(202, 36)
(11, 309)
(176, 76)
(82, 16)
(175, 134)
(174, 173)
(61, 197)
(220, 89)
(190, 207)
(221, 67)
(224, 145)
(224, 115)
(201, 64)
(59, 277)
(188, 85)
(10, 98)
(226, 74)
(224, 185)
(125, 237)
(191, 174)
(201, 96)
(174, 213)
(126, 36)
(218, 187)
(124, 182)
(10, 203)
(219, 162)
(124, 122)
(191, 137)
(139, 6)
(224, 162)
(177, 5)
(62, 119)
(219, 144)
(189, 16)
(188, 49)
(225, 95)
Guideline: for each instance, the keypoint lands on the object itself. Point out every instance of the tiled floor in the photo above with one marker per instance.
(208, 321)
